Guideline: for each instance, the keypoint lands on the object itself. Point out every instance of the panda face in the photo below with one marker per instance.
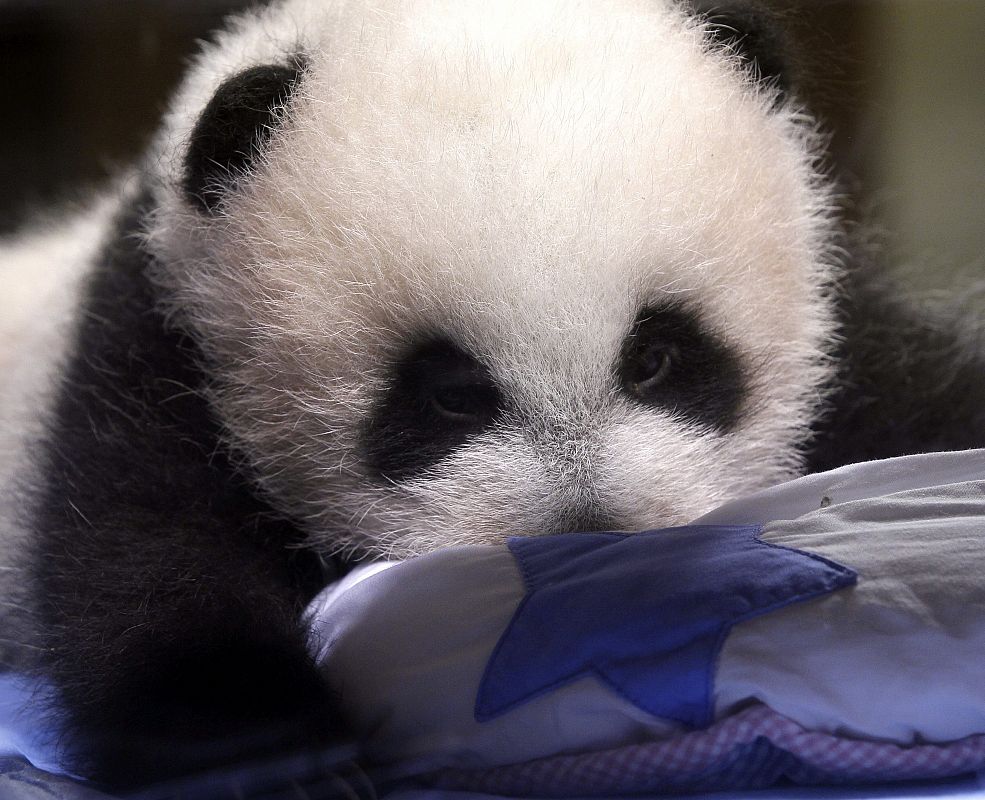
(465, 270)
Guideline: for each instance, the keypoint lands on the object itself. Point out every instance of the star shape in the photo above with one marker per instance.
(645, 613)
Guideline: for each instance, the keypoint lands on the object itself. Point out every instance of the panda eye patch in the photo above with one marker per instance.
(436, 398)
(671, 362)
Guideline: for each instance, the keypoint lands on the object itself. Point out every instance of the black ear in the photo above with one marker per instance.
(751, 34)
(234, 128)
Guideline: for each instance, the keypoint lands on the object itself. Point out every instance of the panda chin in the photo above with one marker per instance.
(396, 277)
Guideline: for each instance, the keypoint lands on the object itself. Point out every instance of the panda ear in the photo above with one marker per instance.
(234, 128)
(752, 35)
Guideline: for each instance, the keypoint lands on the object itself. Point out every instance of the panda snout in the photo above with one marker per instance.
(587, 521)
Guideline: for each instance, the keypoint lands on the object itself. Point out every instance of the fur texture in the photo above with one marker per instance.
(400, 275)
(523, 179)
(40, 273)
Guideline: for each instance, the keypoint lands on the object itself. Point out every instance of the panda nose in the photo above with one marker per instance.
(590, 521)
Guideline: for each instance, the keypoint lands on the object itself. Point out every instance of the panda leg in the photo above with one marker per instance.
(169, 593)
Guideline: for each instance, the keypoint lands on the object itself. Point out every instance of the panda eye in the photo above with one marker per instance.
(435, 399)
(464, 402)
(649, 368)
(671, 361)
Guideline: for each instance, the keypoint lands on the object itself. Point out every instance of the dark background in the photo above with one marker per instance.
(899, 82)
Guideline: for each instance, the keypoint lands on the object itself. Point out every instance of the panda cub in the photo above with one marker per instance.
(400, 275)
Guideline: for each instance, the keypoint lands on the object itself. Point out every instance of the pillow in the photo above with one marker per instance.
(829, 629)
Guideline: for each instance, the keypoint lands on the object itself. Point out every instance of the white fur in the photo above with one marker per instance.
(523, 176)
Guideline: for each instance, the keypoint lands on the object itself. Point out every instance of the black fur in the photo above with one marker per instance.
(911, 379)
(701, 378)
(749, 33)
(234, 128)
(438, 397)
(169, 595)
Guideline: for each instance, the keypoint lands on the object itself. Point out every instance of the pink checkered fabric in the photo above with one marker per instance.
(754, 747)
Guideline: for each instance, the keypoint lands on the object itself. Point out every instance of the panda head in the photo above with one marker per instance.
(463, 269)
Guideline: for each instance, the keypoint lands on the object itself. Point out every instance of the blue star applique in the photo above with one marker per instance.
(645, 613)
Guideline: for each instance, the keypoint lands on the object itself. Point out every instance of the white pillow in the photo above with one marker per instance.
(898, 657)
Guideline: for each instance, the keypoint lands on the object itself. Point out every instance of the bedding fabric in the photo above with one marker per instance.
(868, 682)
(876, 681)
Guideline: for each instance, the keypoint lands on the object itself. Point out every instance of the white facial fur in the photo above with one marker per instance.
(523, 178)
